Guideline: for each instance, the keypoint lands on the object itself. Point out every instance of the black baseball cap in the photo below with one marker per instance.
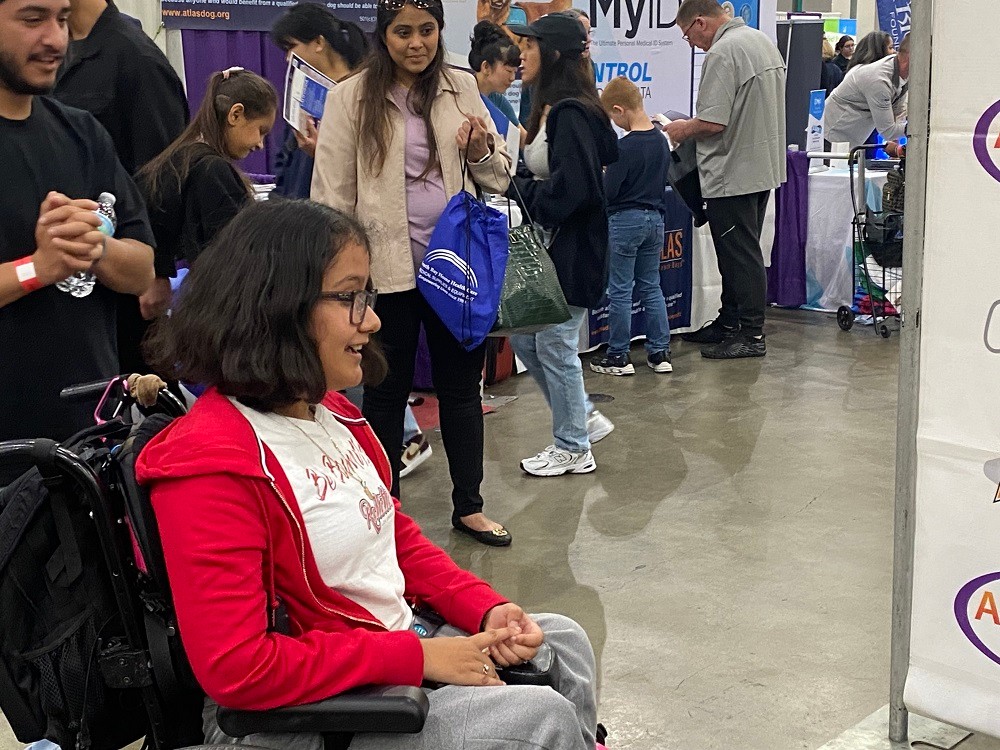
(560, 31)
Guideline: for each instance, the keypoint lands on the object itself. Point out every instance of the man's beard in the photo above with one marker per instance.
(12, 80)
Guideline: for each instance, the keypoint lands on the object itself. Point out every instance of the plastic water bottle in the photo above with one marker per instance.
(81, 283)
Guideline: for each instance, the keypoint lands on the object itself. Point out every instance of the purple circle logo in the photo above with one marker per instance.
(978, 614)
(987, 148)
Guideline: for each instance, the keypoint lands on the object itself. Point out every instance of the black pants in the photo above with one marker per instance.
(736, 223)
(455, 373)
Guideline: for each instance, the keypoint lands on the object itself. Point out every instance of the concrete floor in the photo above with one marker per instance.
(731, 556)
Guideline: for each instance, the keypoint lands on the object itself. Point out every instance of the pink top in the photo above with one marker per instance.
(425, 196)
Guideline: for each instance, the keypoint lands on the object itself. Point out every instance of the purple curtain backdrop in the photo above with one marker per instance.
(786, 277)
(206, 52)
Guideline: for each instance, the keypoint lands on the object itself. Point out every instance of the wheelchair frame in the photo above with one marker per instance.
(134, 662)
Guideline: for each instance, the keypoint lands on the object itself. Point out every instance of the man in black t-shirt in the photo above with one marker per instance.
(115, 72)
(56, 160)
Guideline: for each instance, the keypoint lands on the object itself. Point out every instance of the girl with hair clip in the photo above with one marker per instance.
(272, 493)
(193, 189)
(335, 48)
(395, 143)
(570, 141)
(494, 58)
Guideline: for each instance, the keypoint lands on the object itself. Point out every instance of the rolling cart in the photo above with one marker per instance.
(877, 257)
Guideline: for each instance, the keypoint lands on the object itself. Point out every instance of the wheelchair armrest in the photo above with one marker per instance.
(397, 709)
(543, 670)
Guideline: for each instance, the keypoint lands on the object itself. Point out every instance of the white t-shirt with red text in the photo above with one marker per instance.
(348, 511)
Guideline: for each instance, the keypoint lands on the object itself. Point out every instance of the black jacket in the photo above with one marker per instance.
(830, 76)
(125, 81)
(572, 203)
(186, 217)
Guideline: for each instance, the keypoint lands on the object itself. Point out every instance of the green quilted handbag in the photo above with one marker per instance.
(532, 298)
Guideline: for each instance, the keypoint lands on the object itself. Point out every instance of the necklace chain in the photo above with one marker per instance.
(346, 464)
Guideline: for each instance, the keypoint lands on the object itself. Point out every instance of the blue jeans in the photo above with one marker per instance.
(636, 238)
(552, 357)
(410, 427)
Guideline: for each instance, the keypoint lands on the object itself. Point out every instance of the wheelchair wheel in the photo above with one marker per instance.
(884, 331)
(845, 318)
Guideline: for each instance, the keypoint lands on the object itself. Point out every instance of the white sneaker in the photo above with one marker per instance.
(554, 462)
(415, 453)
(598, 426)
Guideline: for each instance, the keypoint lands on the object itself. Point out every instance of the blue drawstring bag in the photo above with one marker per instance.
(461, 276)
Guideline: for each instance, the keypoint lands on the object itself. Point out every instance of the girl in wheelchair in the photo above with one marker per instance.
(292, 569)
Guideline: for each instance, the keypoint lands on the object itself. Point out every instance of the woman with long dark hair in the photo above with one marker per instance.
(873, 47)
(193, 189)
(570, 141)
(291, 568)
(335, 48)
(395, 143)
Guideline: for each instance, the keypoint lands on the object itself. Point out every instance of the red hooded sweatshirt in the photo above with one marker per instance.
(235, 543)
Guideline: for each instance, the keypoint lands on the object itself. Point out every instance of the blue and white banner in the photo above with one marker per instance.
(814, 127)
(894, 18)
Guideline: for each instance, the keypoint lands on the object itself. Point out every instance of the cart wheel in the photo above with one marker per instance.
(845, 318)
(883, 331)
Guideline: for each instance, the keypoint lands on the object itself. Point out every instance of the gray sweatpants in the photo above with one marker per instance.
(518, 717)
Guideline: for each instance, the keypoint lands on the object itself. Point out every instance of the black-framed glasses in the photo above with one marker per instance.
(688, 29)
(395, 5)
(360, 300)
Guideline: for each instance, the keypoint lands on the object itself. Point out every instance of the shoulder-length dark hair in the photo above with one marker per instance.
(225, 89)
(307, 21)
(562, 76)
(243, 322)
(375, 127)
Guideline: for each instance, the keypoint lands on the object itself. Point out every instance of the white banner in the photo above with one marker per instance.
(635, 38)
(954, 671)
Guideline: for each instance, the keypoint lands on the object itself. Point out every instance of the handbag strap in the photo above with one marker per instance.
(520, 200)
(465, 164)
(467, 302)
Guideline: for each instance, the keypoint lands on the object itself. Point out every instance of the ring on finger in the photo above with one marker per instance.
(486, 669)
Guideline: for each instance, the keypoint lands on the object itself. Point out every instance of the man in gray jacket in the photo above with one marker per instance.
(871, 97)
(740, 132)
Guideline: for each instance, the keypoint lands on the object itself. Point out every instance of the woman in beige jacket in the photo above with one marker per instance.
(391, 152)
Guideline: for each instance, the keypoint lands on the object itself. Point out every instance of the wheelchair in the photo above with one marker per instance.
(136, 678)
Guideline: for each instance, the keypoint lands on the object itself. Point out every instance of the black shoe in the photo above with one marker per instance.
(659, 362)
(612, 365)
(498, 538)
(736, 345)
(711, 333)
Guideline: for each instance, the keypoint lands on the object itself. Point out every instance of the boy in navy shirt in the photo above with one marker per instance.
(636, 193)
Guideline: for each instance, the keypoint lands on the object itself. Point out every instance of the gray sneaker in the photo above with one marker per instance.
(554, 462)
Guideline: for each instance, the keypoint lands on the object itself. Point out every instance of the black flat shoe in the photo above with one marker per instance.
(498, 538)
